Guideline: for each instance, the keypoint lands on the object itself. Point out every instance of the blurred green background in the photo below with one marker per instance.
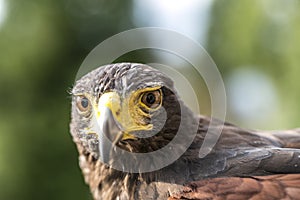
(255, 44)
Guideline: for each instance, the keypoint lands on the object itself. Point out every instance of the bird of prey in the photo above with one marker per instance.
(135, 108)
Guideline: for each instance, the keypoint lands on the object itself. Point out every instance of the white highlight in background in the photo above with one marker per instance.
(3, 10)
(189, 17)
(252, 96)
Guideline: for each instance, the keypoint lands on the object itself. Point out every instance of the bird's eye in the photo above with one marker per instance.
(152, 99)
(83, 103)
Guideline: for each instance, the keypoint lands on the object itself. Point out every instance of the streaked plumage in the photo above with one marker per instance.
(244, 159)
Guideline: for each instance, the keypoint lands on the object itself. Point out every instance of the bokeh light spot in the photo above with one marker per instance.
(3, 10)
(252, 96)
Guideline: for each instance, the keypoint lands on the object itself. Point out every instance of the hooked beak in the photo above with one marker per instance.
(111, 128)
(109, 133)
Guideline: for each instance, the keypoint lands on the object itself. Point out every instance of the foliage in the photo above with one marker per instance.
(43, 43)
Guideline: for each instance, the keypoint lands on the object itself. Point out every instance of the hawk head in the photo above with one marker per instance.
(131, 106)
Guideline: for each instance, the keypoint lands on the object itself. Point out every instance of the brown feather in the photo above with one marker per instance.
(283, 186)
(233, 169)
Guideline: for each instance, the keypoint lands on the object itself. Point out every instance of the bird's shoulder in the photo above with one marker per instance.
(238, 152)
(282, 186)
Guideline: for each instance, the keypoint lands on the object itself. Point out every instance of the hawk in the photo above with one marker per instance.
(134, 109)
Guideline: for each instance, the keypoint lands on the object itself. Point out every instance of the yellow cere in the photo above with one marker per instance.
(126, 112)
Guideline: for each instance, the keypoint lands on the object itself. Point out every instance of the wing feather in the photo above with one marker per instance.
(283, 186)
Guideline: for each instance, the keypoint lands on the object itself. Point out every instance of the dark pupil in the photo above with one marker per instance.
(150, 98)
(84, 102)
